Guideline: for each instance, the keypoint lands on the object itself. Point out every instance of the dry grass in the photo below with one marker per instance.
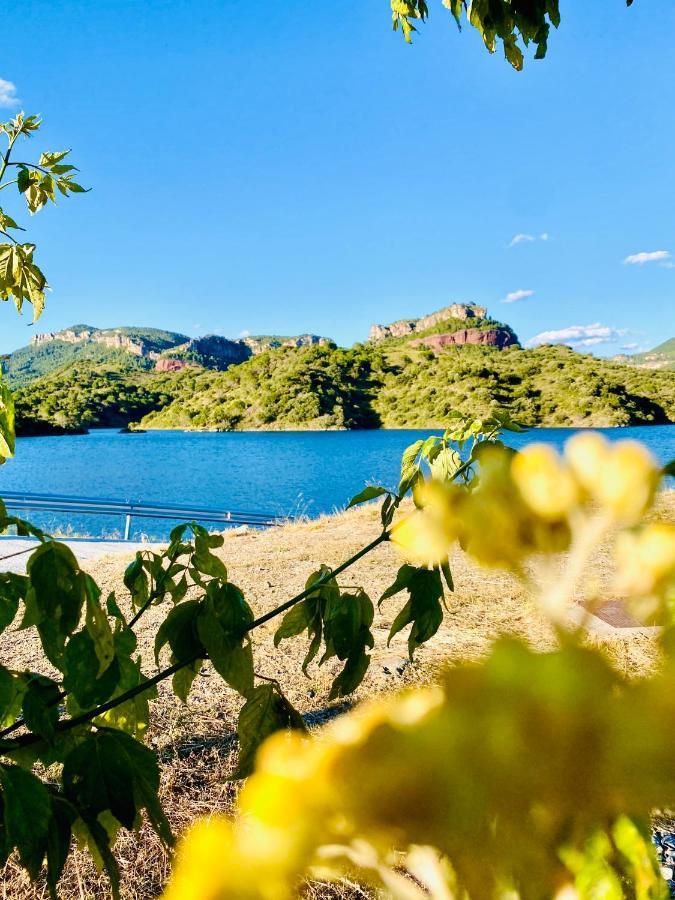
(197, 743)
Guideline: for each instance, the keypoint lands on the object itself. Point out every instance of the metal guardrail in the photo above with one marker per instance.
(134, 510)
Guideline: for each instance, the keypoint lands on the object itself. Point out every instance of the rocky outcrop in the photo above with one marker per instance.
(404, 327)
(493, 337)
(111, 338)
(170, 365)
(68, 336)
(261, 344)
(213, 351)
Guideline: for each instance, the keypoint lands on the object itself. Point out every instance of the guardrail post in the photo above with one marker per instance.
(127, 527)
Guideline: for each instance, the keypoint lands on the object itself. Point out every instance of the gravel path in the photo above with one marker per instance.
(15, 551)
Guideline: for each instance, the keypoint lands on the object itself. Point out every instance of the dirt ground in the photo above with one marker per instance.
(197, 742)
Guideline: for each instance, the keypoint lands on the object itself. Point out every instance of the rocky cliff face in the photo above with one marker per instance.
(111, 338)
(171, 365)
(260, 344)
(213, 350)
(404, 327)
(68, 336)
(493, 337)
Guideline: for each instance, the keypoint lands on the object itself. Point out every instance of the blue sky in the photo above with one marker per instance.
(296, 167)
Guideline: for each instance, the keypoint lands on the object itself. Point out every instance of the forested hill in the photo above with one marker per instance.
(363, 387)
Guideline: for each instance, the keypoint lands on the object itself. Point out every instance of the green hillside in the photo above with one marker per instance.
(86, 395)
(314, 387)
(371, 387)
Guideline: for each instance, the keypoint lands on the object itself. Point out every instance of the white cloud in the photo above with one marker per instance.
(528, 238)
(514, 296)
(639, 259)
(521, 239)
(632, 346)
(245, 333)
(579, 335)
(8, 93)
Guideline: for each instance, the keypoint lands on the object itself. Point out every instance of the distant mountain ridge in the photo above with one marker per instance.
(142, 348)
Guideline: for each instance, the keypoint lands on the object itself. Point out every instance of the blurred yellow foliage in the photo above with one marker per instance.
(527, 775)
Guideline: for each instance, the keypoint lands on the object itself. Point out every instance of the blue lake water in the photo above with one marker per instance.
(279, 473)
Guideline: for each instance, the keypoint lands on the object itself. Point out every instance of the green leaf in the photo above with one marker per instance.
(409, 466)
(368, 493)
(40, 705)
(423, 609)
(351, 675)
(266, 710)
(96, 623)
(49, 160)
(222, 624)
(447, 575)
(13, 588)
(133, 715)
(346, 632)
(20, 277)
(183, 679)
(309, 613)
(81, 672)
(179, 631)
(111, 772)
(54, 599)
(403, 577)
(58, 840)
(296, 620)
(27, 812)
(136, 581)
(12, 688)
(6, 417)
(98, 841)
(205, 561)
(7, 222)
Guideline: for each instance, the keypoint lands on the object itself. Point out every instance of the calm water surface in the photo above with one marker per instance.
(271, 472)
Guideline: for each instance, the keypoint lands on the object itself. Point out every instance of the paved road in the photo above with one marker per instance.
(15, 551)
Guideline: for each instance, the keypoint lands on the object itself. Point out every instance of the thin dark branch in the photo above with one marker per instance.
(25, 740)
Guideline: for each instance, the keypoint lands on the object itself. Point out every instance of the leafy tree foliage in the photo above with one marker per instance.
(83, 396)
(20, 278)
(505, 23)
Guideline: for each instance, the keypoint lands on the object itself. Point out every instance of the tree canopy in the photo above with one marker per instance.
(499, 22)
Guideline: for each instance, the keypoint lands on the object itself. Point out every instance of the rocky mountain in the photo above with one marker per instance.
(459, 323)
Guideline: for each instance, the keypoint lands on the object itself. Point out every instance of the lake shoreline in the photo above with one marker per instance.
(281, 430)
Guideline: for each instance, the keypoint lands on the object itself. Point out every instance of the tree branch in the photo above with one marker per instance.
(68, 724)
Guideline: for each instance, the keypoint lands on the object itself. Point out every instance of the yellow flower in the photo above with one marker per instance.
(646, 560)
(628, 481)
(622, 477)
(202, 862)
(425, 536)
(587, 454)
(544, 481)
